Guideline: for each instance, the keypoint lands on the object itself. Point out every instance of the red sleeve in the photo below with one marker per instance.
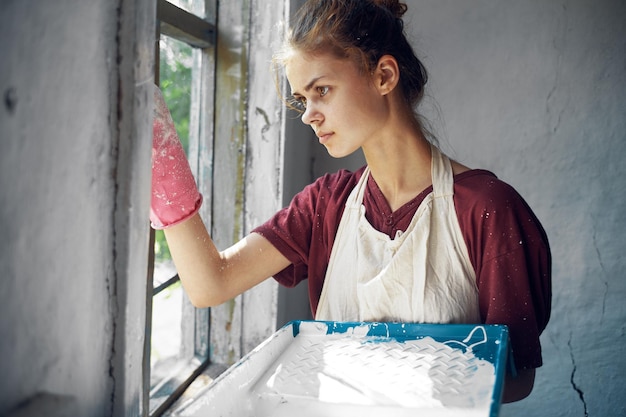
(305, 230)
(510, 253)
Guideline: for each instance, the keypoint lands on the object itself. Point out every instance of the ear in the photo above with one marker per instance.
(386, 74)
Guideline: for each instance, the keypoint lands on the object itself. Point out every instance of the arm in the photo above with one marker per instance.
(518, 387)
(211, 277)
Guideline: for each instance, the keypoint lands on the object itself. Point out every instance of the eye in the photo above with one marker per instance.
(323, 90)
(297, 103)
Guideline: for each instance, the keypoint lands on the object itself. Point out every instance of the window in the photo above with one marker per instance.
(221, 92)
(179, 333)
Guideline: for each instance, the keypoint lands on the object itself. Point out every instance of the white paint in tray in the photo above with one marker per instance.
(343, 374)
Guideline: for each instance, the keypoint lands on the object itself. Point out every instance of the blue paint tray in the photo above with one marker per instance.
(316, 368)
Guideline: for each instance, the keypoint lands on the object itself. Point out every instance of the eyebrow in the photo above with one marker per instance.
(309, 85)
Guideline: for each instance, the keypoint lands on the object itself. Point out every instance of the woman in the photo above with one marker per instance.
(412, 236)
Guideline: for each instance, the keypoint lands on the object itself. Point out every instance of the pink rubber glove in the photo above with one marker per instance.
(175, 196)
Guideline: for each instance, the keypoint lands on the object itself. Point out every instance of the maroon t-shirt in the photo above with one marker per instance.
(507, 246)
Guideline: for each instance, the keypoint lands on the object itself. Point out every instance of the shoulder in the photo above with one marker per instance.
(327, 193)
(481, 189)
(491, 210)
(482, 182)
(304, 229)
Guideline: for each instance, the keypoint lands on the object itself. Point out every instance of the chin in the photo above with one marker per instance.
(338, 153)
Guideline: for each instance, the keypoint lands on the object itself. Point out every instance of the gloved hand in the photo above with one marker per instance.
(175, 196)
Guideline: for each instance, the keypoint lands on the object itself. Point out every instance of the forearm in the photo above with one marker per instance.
(211, 277)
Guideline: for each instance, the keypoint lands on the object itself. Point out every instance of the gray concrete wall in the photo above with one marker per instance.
(74, 178)
(536, 92)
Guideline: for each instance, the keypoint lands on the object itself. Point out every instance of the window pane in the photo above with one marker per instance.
(176, 60)
(164, 268)
(166, 330)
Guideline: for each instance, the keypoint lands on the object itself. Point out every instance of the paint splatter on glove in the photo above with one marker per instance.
(175, 196)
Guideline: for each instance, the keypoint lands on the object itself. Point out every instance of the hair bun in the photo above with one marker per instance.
(396, 8)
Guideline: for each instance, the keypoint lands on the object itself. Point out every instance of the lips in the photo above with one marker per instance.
(323, 136)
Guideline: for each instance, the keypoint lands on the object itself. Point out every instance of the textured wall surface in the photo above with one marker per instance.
(67, 212)
(57, 188)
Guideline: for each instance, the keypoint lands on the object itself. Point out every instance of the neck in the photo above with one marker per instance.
(400, 163)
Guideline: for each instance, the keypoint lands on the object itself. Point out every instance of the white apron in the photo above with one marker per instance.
(423, 275)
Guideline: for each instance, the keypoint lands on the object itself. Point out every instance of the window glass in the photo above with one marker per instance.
(166, 332)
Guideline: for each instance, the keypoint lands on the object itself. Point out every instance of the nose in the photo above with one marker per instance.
(311, 115)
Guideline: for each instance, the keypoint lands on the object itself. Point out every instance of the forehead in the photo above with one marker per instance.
(302, 69)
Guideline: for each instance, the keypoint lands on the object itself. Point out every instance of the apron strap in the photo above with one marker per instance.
(355, 199)
(441, 171)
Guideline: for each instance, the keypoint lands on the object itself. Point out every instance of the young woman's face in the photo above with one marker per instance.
(340, 103)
